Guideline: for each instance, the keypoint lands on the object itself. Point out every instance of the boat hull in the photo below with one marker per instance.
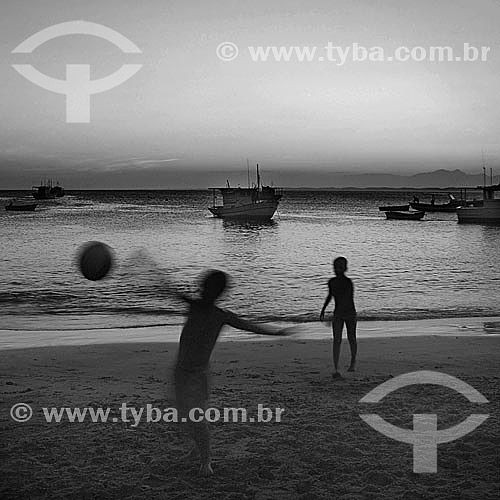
(479, 215)
(21, 208)
(429, 207)
(44, 196)
(405, 215)
(255, 211)
(395, 208)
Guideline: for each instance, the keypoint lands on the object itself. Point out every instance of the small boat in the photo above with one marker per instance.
(451, 206)
(253, 203)
(405, 215)
(20, 206)
(395, 208)
(488, 213)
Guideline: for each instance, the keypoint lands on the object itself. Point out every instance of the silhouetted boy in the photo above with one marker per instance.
(341, 289)
(199, 335)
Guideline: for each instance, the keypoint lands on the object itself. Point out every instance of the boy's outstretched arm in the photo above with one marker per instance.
(325, 305)
(175, 292)
(241, 324)
(171, 289)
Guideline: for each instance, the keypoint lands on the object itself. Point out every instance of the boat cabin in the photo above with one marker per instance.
(489, 197)
(236, 197)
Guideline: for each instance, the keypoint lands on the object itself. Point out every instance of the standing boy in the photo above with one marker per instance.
(341, 289)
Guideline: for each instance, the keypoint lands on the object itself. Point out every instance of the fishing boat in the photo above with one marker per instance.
(252, 203)
(20, 206)
(488, 213)
(47, 191)
(451, 206)
(395, 208)
(57, 190)
(405, 215)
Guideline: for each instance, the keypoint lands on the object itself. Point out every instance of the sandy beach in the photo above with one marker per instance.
(320, 450)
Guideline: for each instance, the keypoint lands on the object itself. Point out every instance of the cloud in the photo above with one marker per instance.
(153, 162)
(135, 162)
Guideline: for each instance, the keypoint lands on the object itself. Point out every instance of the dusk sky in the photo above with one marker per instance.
(186, 111)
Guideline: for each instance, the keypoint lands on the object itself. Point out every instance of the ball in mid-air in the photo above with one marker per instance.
(95, 260)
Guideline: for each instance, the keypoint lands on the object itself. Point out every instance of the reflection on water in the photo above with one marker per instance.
(246, 226)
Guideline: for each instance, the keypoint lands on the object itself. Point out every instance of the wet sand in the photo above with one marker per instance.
(45, 336)
(321, 449)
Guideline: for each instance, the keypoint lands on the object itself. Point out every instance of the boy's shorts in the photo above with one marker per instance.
(191, 390)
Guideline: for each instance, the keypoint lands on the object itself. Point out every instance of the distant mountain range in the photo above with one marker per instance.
(437, 179)
(161, 177)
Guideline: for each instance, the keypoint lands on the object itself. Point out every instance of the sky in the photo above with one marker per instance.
(186, 112)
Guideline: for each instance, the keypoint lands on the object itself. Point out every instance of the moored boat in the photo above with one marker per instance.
(405, 215)
(252, 203)
(20, 206)
(451, 206)
(47, 191)
(395, 208)
(488, 213)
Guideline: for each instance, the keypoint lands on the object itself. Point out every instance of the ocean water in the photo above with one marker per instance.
(401, 269)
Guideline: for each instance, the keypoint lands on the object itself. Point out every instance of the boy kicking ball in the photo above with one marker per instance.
(198, 338)
(199, 335)
(341, 289)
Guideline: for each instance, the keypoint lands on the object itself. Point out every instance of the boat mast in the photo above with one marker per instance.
(484, 167)
(248, 173)
(258, 178)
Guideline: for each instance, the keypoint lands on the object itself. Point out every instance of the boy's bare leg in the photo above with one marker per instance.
(201, 436)
(337, 326)
(351, 336)
(193, 453)
(200, 431)
(188, 396)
